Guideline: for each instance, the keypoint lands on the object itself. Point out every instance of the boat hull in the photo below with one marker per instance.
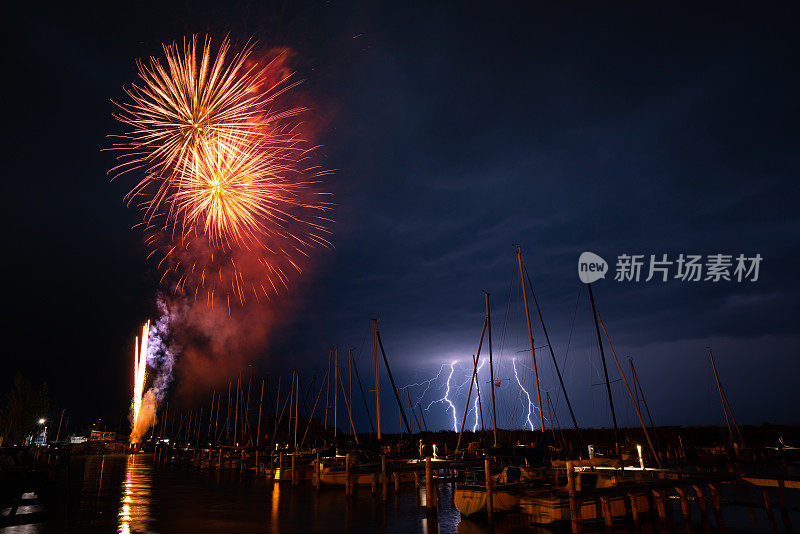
(471, 500)
(547, 509)
(336, 477)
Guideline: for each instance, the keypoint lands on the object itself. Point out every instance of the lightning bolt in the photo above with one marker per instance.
(530, 404)
(427, 383)
(475, 402)
(446, 397)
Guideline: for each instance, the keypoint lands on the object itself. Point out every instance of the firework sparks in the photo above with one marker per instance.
(197, 99)
(239, 195)
(229, 198)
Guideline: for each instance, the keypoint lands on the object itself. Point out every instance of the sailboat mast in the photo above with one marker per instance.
(377, 377)
(260, 404)
(530, 336)
(335, 392)
(472, 382)
(327, 389)
(605, 368)
(725, 404)
(553, 355)
(491, 367)
(640, 394)
(350, 375)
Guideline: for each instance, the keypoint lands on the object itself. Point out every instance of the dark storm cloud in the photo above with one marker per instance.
(455, 133)
(651, 144)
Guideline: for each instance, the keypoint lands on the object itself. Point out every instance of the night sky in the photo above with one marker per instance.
(455, 132)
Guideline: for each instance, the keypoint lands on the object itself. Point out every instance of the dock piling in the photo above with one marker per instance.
(383, 478)
(348, 474)
(634, 500)
(661, 505)
(574, 508)
(489, 504)
(430, 500)
(608, 517)
(703, 505)
(686, 511)
(272, 467)
(716, 504)
(317, 473)
(773, 526)
(787, 523)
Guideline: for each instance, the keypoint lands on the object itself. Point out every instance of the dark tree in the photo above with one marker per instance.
(24, 406)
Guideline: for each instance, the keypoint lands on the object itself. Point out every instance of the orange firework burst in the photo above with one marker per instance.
(198, 99)
(238, 193)
(229, 197)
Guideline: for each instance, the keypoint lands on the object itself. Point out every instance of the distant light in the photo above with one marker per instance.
(41, 421)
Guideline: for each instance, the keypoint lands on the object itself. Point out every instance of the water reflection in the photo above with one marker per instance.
(132, 494)
(276, 497)
(134, 511)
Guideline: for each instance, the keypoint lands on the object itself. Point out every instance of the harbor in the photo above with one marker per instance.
(185, 488)
(297, 438)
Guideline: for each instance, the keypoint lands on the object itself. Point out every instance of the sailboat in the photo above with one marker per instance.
(538, 492)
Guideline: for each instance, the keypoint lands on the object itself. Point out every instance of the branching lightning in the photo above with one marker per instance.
(446, 397)
(475, 402)
(426, 383)
(454, 388)
(530, 404)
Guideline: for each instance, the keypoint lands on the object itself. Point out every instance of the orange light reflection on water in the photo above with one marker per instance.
(135, 501)
(276, 497)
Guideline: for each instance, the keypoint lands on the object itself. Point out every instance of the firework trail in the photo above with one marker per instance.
(139, 376)
(155, 354)
(229, 195)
